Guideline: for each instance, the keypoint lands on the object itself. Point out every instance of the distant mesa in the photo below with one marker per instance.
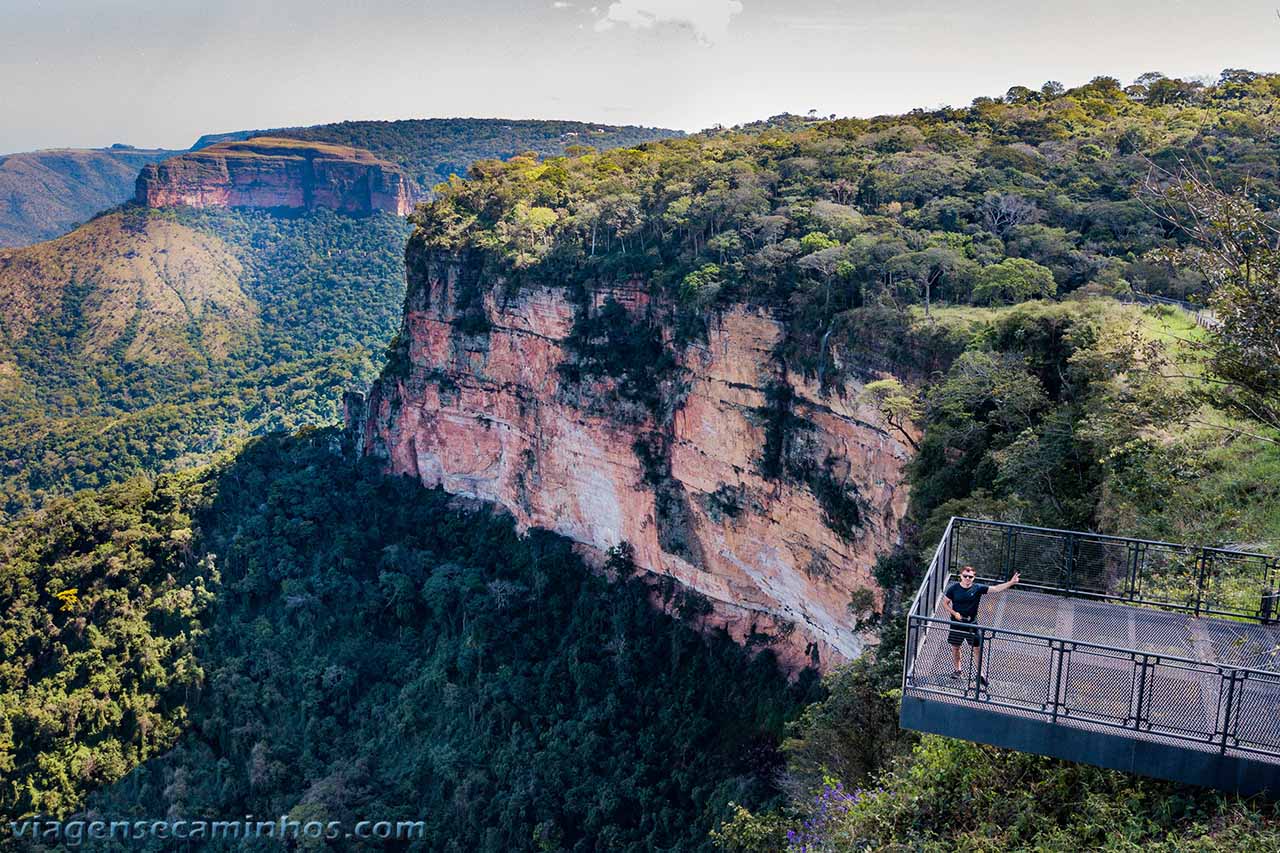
(277, 174)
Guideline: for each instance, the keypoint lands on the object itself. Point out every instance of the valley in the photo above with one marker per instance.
(580, 510)
(247, 288)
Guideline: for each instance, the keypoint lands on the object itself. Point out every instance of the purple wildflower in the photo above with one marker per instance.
(829, 806)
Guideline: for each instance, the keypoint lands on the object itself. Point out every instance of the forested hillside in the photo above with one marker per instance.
(952, 205)
(148, 339)
(336, 646)
(44, 194)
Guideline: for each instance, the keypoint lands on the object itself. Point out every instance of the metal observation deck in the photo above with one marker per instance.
(1140, 656)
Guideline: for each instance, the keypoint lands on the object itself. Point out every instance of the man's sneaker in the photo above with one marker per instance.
(982, 681)
(955, 676)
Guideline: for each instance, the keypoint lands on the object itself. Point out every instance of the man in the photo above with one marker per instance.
(961, 600)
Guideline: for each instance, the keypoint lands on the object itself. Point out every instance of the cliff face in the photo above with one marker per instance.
(278, 174)
(746, 484)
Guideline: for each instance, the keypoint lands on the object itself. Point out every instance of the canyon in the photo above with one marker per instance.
(749, 484)
(277, 174)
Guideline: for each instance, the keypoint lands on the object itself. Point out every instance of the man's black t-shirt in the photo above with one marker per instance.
(965, 601)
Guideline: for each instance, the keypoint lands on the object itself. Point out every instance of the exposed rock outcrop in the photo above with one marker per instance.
(746, 484)
(279, 174)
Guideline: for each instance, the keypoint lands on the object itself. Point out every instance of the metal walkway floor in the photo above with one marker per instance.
(1101, 689)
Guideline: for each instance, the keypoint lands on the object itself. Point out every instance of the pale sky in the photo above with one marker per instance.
(152, 74)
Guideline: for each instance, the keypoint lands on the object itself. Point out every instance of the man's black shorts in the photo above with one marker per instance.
(958, 635)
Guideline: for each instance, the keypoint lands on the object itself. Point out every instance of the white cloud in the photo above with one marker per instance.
(708, 20)
(560, 4)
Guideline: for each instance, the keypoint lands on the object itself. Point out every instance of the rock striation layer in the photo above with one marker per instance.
(748, 485)
(279, 174)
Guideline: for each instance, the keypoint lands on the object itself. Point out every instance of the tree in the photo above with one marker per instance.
(827, 264)
(1002, 211)
(701, 286)
(1236, 246)
(988, 387)
(1013, 280)
(1105, 85)
(1021, 95)
(843, 190)
(529, 228)
(1240, 76)
(1170, 91)
(932, 267)
(897, 405)
(816, 241)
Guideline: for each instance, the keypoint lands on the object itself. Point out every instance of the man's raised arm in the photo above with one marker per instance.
(1001, 587)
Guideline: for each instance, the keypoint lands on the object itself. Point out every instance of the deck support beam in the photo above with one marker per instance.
(1169, 761)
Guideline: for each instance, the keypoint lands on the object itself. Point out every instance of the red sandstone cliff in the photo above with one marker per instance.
(277, 173)
(489, 413)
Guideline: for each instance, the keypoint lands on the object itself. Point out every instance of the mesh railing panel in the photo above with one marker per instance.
(935, 664)
(1163, 633)
(982, 547)
(1235, 583)
(1040, 558)
(926, 599)
(1103, 624)
(1099, 686)
(1180, 700)
(1030, 615)
(1100, 566)
(1169, 575)
(1241, 644)
(1018, 670)
(1256, 712)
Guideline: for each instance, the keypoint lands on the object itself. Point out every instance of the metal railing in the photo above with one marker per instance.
(1209, 705)
(1204, 316)
(1206, 704)
(927, 597)
(1195, 579)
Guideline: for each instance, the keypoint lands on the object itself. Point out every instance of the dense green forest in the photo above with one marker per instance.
(338, 645)
(1035, 194)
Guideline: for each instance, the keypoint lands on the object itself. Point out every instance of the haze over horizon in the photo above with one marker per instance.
(160, 75)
